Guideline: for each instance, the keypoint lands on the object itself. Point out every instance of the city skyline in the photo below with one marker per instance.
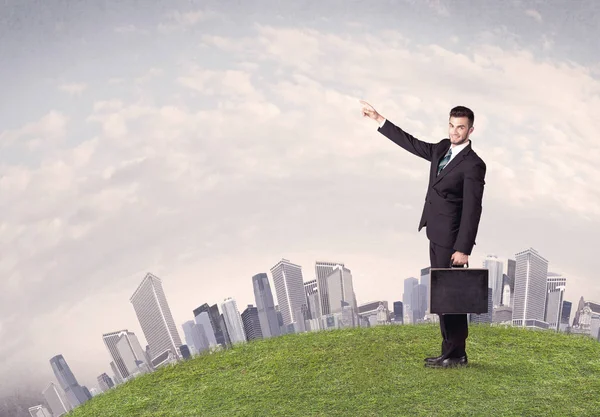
(229, 305)
(203, 143)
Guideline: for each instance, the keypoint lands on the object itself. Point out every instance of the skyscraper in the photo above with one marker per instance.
(132, 345)
(56, 399)
(67, 381)
(509, 280)
(154, 315)
(495, 269)
(233, 321)
(530, 289)
(341, 289)
(105, 382)
(425, 282)
(265, 306)
(39, 411)
(410, 285)
(251, 322)
(215, 323)
(322, 270)
(289, 287)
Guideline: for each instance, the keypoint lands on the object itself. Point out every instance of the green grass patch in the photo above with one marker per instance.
(374, 371)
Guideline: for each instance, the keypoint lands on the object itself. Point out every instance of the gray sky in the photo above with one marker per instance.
(205, 142)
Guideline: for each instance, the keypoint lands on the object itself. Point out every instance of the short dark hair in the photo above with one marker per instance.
(462, 111)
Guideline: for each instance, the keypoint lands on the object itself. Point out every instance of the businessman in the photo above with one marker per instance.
(453, 205)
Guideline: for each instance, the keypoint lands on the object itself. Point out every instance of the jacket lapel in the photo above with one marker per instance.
(451, 165)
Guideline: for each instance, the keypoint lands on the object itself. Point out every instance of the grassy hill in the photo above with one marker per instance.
(372, 372)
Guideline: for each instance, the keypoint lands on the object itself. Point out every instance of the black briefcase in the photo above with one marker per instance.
(458, 290)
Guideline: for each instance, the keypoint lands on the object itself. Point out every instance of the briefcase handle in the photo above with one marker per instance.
(458, 266)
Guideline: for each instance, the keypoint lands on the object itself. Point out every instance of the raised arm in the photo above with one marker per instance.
(398, 136)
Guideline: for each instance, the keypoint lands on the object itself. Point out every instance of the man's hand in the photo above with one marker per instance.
(370, 112)
(459, 258)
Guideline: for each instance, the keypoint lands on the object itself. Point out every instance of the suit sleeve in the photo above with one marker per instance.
(471, 212)
(407, 141)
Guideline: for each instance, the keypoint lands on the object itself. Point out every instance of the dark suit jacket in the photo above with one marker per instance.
(454, 198)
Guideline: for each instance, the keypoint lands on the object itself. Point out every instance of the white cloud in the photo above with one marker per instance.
(534, 14)
(48, 130)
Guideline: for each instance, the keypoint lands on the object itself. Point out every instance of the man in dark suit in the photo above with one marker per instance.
(452, 209)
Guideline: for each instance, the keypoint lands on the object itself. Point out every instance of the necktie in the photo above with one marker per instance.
(444, 161)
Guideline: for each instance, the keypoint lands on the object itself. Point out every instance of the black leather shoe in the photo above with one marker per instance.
(448, 363)
(436, 359)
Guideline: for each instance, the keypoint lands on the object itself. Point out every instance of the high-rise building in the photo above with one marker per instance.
(155, 318)
(341, 289)
(218, 332)
(313, 305)
(203, 333)
(398, 312)
(410, 285)
(233, 321)
(289, 287)
(251, 322)
(511, 266)
(495, 269)
(322, 270)
(121, 344)
(265, 306)
(530, 289)
(67, 381)
(39, 411)
(566, 313)
(105, 382)
(57, 400)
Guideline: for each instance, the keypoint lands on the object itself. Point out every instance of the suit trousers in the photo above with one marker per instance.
(454, 327)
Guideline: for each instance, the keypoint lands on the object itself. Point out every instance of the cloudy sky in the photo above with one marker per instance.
(204, 142)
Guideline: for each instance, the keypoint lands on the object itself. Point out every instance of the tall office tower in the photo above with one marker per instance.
(116, 373)
(39, 411)
(56, 399)
(226, 334)
(314, 303)
(215, 323)
(67, 381)
(322, 270)
(554, 304)
(233, 321)
(155, 318)
(104, 382)
(398, 312)
(495, 269)
(425, 280)
(418, 303)
(410, 285)
(289, 287)
(530, 289)
(511, 266)
(252, 323)
(566, 313)
(341, 289)
(265, 305)
(130, 343)
(203, 331)
(506, 294)
(556, 284)
(555, 280)
(188, 335)
(310, 288)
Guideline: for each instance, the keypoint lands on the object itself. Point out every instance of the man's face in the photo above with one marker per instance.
(458, 130)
